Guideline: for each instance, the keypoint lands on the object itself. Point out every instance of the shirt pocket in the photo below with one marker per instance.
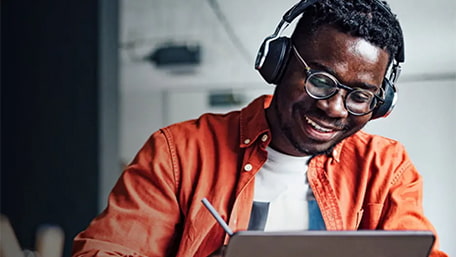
(369, 216)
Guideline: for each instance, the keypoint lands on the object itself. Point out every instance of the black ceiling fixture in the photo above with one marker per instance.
(172, 54)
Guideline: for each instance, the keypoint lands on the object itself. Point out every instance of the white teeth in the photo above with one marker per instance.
(316, 126)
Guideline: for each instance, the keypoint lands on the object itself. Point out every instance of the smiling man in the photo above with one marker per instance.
(297, 160)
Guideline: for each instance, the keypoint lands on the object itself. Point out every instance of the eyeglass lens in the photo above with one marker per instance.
(358, 101)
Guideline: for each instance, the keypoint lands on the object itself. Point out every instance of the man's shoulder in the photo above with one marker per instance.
(211, 121)
(364, 136)
(364, 148)
(209, 127)
(373, 143)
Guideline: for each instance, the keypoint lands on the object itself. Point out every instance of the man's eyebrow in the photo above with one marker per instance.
(329, 70)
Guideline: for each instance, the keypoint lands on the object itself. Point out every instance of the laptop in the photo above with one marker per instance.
(305, 243)
(364, 243)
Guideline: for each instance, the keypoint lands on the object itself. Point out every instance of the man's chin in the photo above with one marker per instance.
(315, 151)
(308, 146)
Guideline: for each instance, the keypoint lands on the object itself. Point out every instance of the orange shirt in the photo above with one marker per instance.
(155, 209)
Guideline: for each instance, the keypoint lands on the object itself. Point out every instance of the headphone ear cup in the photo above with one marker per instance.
(390, 96)
(275, 60)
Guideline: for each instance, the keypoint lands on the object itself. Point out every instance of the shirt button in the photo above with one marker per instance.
(264, 138)
(248, 167)
(247, 141)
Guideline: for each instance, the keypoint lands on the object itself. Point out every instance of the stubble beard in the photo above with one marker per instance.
(287, 131)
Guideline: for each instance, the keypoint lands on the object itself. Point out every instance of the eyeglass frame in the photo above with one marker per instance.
(309, 71)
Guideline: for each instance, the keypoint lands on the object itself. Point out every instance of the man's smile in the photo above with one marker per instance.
(318, 127)
(317, 131)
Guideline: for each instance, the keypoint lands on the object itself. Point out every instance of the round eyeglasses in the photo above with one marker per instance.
(321, 85)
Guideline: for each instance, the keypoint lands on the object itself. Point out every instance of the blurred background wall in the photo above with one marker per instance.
(59, 112)
(85, 83)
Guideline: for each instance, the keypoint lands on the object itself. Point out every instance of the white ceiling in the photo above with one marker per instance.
(429, 30)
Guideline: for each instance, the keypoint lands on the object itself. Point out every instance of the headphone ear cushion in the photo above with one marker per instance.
(275, 59)
(390, 96)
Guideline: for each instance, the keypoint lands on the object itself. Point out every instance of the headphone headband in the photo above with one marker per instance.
(297, 9)
(302, 5)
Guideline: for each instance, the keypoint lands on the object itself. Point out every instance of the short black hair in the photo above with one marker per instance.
(360, 18)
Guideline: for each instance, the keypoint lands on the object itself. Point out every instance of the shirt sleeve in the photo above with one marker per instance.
(143, 215)
(404, 210)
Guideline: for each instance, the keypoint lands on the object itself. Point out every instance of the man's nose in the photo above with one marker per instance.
(334, 106)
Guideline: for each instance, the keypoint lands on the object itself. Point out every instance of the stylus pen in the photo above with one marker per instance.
(217, 216)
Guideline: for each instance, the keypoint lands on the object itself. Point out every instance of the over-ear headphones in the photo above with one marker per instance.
(275, 50)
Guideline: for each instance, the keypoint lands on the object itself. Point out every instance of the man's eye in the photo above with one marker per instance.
(361, 96)
(322, 82)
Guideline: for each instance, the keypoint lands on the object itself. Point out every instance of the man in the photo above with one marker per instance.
(296, 160)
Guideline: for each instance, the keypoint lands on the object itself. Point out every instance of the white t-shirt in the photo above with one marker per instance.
(281, 194)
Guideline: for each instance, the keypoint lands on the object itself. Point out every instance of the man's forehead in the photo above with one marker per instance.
(364, 48)
(330, 34)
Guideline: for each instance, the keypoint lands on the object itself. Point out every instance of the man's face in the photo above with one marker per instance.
(302, 125)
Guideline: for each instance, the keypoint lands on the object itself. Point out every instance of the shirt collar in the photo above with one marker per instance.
(253, 123)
